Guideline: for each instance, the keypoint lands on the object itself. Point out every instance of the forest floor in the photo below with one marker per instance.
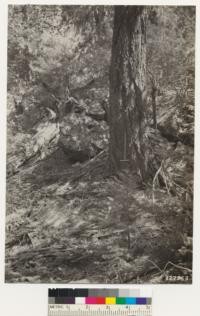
(75, 223)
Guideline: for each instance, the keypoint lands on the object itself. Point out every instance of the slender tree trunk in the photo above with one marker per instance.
(26, 71)
(127, 86)
(154, 109)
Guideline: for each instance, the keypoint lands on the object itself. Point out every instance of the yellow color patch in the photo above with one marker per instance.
(110, 300)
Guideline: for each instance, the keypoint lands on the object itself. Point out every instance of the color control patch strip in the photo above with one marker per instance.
(101, 300)
(88, 302)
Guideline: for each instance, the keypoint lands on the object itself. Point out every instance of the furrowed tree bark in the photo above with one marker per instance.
(127, 89)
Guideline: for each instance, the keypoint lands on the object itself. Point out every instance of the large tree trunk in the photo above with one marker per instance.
(127, 86)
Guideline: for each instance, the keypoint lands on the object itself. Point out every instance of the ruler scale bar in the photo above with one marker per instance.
(99, 310)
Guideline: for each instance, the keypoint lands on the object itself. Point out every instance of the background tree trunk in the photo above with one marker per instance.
(127, 83)
(25, 67)
(154, 108)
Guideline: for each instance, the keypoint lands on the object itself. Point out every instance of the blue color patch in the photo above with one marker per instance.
(130, 300)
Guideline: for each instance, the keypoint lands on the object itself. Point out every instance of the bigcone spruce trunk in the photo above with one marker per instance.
(127, 85)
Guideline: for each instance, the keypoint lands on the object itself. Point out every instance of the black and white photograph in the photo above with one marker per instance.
(100, 144)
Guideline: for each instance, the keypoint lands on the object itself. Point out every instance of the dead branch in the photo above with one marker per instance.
(176, 266)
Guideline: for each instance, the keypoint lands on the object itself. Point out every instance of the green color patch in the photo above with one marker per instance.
(120, 300)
